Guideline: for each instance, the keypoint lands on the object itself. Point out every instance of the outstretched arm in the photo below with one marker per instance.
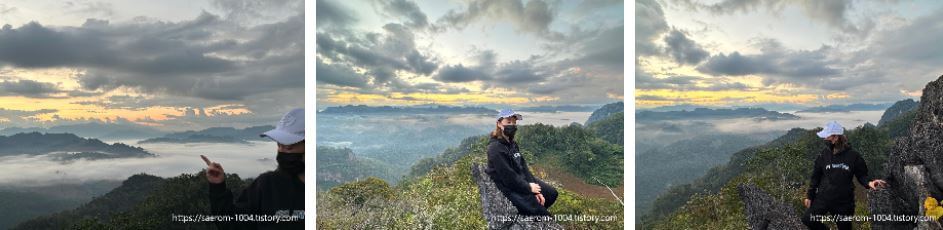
(221, 199)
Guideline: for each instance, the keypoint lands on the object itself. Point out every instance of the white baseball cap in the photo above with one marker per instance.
(290, 130)
(831, 128)
(509, 113)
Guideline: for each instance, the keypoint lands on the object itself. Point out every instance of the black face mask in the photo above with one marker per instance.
(293, 163)
(829, 144)
(509, 130)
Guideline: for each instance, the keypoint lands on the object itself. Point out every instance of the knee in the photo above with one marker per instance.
(548, 191)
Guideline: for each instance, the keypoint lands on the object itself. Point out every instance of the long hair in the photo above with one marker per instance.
(841, 144)
(498, 133)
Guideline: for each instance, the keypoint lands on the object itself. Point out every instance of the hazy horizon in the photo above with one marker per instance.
(247, 160)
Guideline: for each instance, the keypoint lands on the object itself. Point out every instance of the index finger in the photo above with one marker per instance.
(207, 160)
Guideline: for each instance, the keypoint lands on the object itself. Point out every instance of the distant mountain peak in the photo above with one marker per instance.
(66, 146)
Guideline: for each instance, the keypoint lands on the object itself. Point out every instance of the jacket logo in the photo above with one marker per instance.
(516, 155)
(837, 166)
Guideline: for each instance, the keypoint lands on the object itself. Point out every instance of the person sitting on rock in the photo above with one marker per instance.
(509, 171)
(832, 189)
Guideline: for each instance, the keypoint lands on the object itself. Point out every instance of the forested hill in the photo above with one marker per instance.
(66, 145)
(780, 168)
(606, 111)
(440, 192)
(141, 202)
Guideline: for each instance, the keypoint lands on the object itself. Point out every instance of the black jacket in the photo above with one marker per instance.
(510, 174)
(272, 193)
(831, 177)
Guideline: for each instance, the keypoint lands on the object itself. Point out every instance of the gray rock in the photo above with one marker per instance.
(914, 167)
(498, 210)
(765, 212)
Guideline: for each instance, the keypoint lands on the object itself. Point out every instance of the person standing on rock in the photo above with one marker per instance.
(832, 189)
(509, 171)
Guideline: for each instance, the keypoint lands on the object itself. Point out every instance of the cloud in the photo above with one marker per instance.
(103, 9)
(654, 98)
(198, 58)
(408, 10)
(774, 60)
(649, 25)
(332, 14)
(12, 117)
(380, 54)
(248, 160)
(578, 67)
(605, 50)
(646, 81)
(518, 72)
(460, 73)
(339, 75)
(832, 13)
(915, 42)
(264, 12)
(684, 50)
(28, 88)
(5, 10)
(533, 17)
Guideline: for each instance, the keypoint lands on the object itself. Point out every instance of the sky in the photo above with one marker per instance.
(173, 65)
(474, 52)
(799, 52)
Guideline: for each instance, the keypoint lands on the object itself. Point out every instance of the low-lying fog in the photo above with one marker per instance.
(247, 160)
(652, 134)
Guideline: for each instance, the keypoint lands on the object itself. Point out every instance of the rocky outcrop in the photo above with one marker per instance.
(764, 212)
(898, 109)
(914, 167)
(498, 210)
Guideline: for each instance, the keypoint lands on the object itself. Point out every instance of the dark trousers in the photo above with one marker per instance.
(828, 209)
(528, 205)
(550, 193)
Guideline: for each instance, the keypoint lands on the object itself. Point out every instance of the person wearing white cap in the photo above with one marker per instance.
(274, 193)
(832, 188)
(509, 171)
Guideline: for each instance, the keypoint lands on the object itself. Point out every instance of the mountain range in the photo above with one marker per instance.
(66, 146)
(213, 135)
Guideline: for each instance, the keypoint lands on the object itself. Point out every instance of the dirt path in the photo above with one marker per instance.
(575, 184)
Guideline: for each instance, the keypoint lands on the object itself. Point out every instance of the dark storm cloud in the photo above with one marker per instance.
(460, 73)
(339, 75)
(650, 24)
(737, 65)
(774, 61)
(381, 54)
(516, 72)
(28, 88)
(684, 50)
